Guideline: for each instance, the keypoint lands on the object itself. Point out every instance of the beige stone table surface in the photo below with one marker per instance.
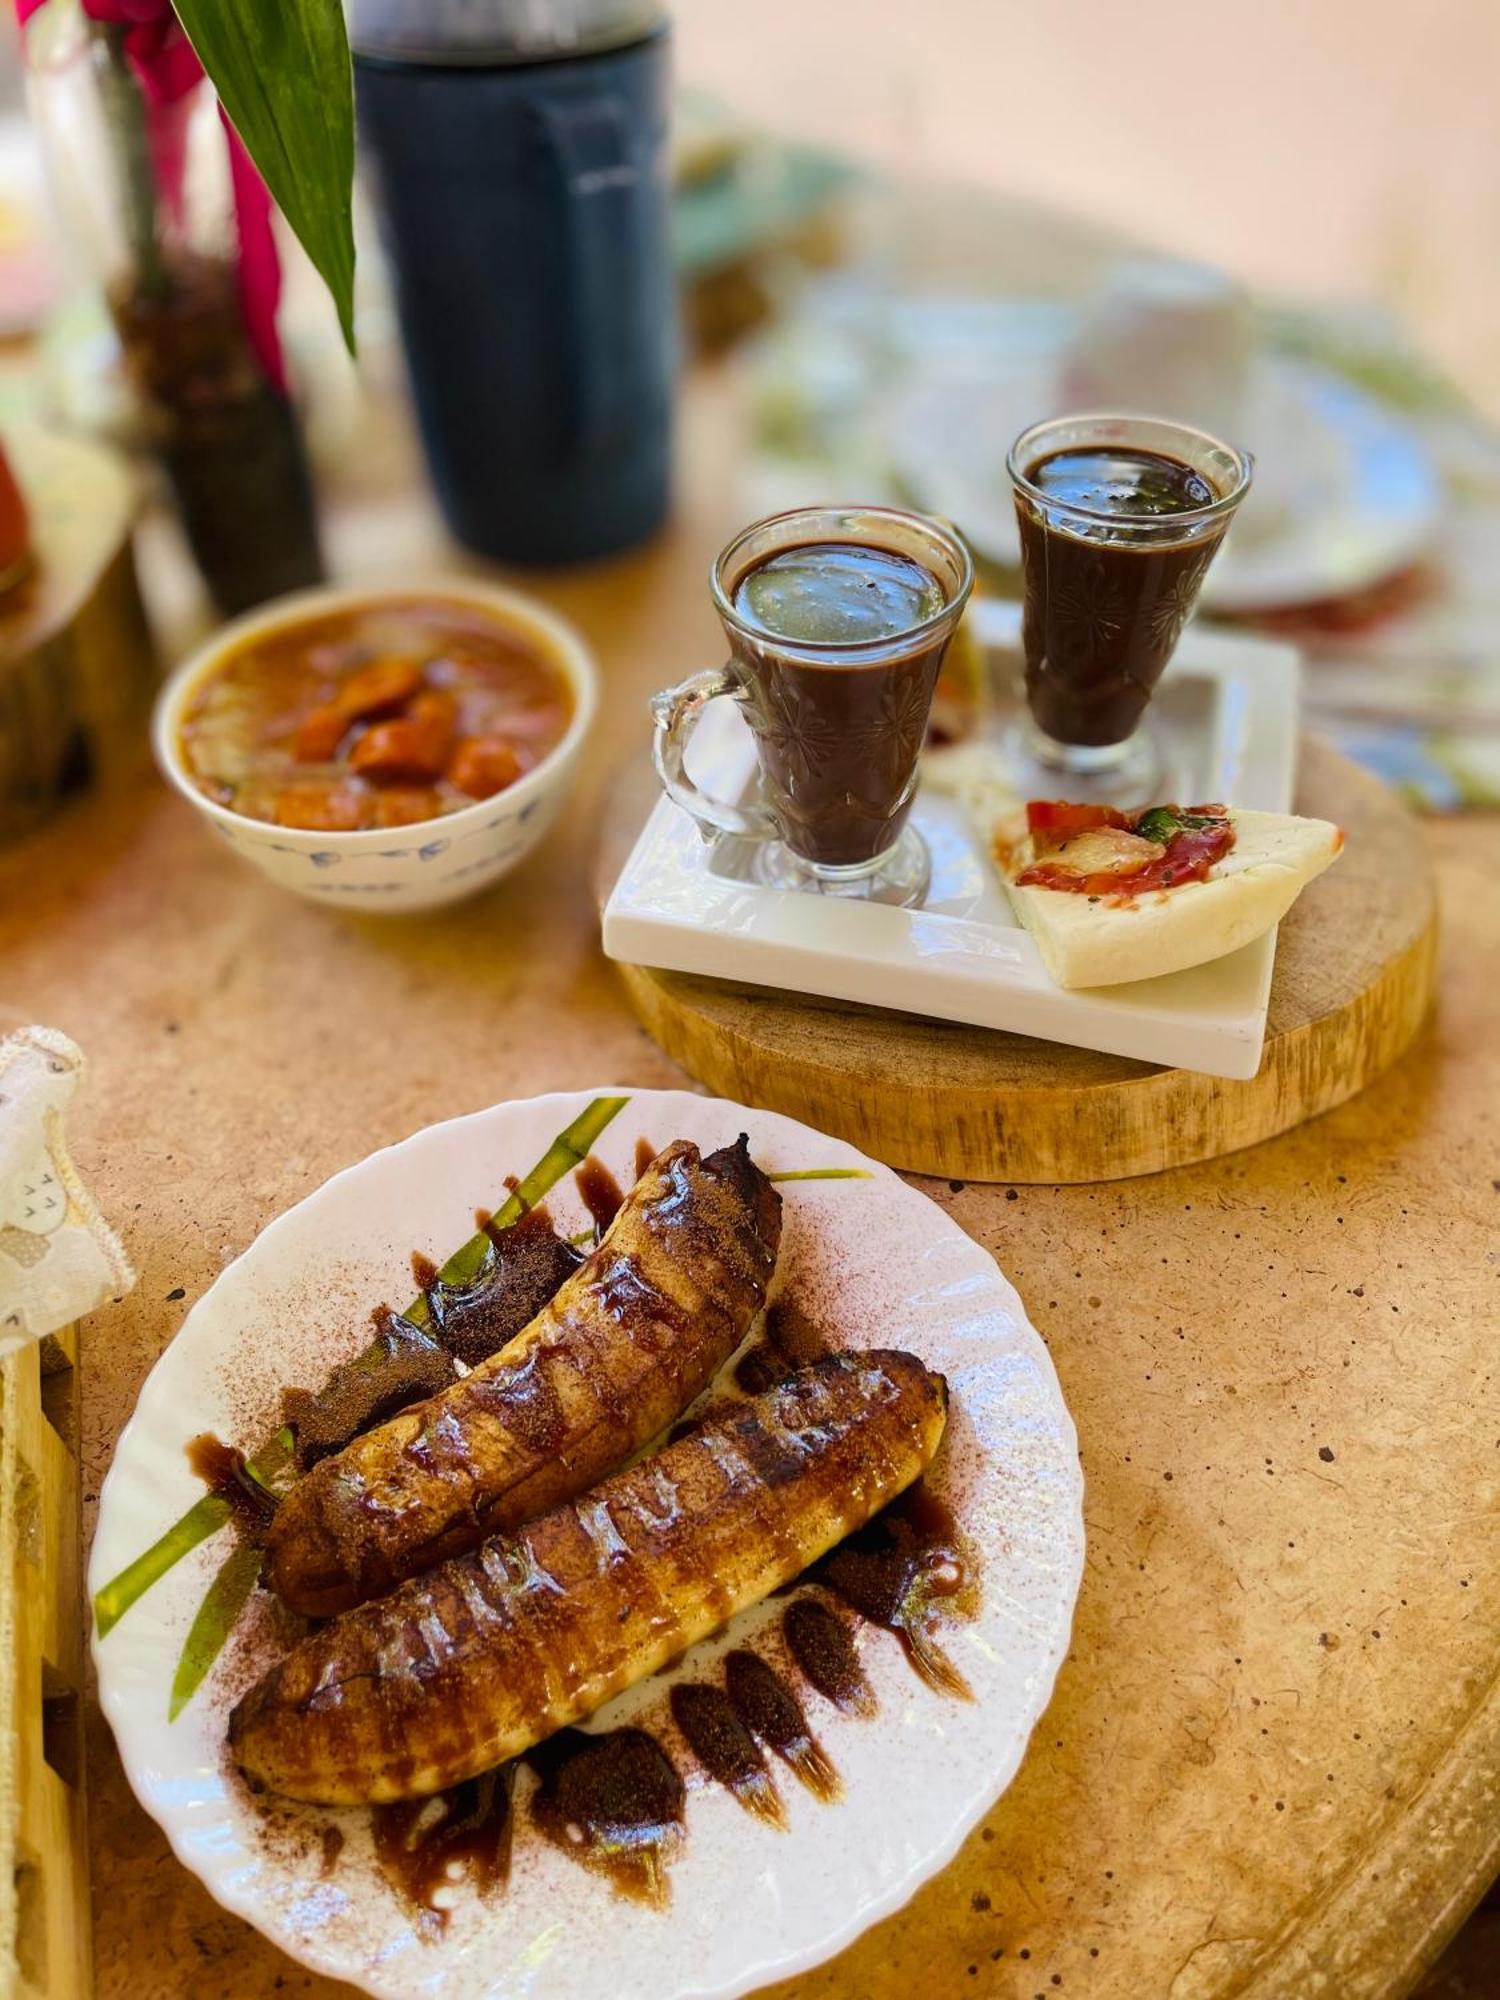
(1270, 1764)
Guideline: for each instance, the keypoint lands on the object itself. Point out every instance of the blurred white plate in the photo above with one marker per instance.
(748, 1903)
(1344, 492)
(1225, 715)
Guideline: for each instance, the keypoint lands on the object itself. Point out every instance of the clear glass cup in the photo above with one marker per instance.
(1107, 594)
(838, 727)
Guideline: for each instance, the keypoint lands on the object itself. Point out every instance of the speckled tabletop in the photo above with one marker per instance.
(1270, 1767)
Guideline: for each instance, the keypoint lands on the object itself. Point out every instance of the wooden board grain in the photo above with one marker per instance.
(1353, 984)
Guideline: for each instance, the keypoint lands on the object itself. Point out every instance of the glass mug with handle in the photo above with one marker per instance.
(837, 619)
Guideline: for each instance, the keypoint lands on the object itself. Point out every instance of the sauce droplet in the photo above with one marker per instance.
(223, 1470)
(823, 1646)
(768, 1708)
(905, 1571)
(538, 1212)
(599, 1191)
(645, 1153)
(427, 1848)
(725, 1748)
(613, 1802)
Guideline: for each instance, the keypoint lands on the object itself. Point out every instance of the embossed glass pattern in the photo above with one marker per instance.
(839, 725)
(1109, 583)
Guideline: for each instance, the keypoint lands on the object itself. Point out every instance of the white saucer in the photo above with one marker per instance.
(1226, 714)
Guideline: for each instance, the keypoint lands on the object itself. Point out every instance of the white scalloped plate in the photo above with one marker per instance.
(874, 1263)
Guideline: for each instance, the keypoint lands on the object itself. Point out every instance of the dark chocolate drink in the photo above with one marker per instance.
(839, 736)
(1108, 587)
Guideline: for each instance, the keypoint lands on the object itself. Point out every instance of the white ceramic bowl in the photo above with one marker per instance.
(403, 868)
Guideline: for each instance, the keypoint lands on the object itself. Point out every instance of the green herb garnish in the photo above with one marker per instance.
(1164, 823)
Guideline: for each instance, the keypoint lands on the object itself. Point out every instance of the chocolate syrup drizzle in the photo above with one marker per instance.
(599, 1191)
(613, 1800)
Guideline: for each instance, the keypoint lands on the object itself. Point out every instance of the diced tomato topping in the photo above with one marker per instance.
(380, 687)
(1189, 857)
(1058, 817)
(484, 765)
(414, 748)
(321, 808)
(319, 734)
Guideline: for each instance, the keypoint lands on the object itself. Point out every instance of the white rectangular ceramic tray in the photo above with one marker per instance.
(1226, 712)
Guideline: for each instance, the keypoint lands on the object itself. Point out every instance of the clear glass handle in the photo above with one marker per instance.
(676, 711)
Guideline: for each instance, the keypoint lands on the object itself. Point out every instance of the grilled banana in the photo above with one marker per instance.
(625, 1345)
(456, 1671)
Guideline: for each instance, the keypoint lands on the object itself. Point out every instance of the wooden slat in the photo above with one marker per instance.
(45, 1951)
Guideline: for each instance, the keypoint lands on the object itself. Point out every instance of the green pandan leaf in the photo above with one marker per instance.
(217, 1615)
(567, 1151)
(283, 74)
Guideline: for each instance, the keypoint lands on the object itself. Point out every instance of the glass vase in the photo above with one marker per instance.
(139, 167)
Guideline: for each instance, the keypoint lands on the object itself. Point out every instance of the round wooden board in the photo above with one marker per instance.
(1354, 981)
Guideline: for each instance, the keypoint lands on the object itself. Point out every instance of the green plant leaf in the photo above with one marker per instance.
(283, 74)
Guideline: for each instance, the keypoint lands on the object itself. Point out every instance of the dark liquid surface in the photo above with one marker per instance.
(1102, 616)
(1135, 485)
(837, 594)
(839, 743)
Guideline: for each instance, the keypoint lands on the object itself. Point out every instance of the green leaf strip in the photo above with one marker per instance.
(227, 1597)
(567, 1151)
(204, 1518)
